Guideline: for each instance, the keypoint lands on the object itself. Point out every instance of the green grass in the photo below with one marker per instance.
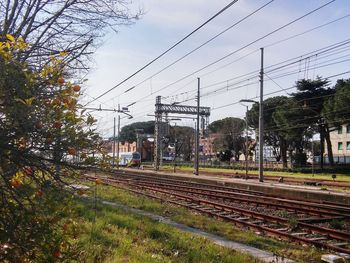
(342, 177)
(112, 235)
(225, 229)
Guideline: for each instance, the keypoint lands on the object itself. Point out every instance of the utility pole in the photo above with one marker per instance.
(246, 143)
(246, 135)
(175, 145)
(196, 165)
(261, 120)
(118, 137)
(113, 161)
(313, 156)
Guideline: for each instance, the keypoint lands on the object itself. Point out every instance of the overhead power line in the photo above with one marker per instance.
(241, 48)
(166, 51)
(274, 92)
(273, 44)
(200, 46)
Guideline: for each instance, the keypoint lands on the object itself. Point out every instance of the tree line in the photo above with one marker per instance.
(290, 122)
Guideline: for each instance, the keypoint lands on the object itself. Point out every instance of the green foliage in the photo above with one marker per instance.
(185, 140)
(312, 95)
(41, 128)
(225, 156)
(230, 131)
(128, 132)
(336, 109)
(272, 135)
(40, 234)
(132, 229)
(121, 236)
(292, 124)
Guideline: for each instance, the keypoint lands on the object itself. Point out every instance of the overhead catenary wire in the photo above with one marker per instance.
(200, 46)
(241, 48)
(166, 51)
(321, 53)
(142, 113)
(274, 92)
(253, 75)
(294, 60)
(251, 83)
(269, 45)
(276, 43)
(271, 76)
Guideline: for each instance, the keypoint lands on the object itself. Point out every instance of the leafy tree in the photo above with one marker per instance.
(128, 132)
(272, 136)
(225, 156)
(311, 95)
(336, 108)
(56, 26)
(41, 129)
(292, 124)
(231, 135)
(185, 140)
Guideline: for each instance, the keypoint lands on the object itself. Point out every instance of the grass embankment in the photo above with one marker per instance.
(111, 235)
(194, 219)
(322, 176)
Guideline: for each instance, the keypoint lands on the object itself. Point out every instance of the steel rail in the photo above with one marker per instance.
(248, 193)
(239, 197)
(222, 207)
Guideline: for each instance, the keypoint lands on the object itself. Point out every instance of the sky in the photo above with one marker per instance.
(224, 83)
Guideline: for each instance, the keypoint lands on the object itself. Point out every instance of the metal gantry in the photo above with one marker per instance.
(161, 128)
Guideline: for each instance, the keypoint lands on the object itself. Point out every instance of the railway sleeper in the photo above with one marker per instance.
(224, 213)
(256, 222)
(318, 238)
(284, 229)
(300, 234)
(320, 219)
(340, 244)
(243, 218)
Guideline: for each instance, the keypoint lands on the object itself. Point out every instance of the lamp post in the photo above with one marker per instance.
(175, 142)
(125, 111)
(118, 138)
(246, 135)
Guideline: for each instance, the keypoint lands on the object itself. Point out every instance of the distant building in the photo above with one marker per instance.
(340, 139)
(206, 146)
(127, 147)
(123, 147)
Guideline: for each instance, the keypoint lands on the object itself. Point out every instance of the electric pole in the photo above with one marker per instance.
(113, 161)
(196, 165)
(261, 120)
(118, 137)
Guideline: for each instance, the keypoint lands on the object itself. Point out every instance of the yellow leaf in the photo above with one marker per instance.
(25, 101)
(29, 101)
(20, 100)
(10, 37)
(19, 175)
(63, 53)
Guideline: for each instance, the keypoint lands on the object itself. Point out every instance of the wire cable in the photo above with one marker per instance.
(245, 46)
(166, 51)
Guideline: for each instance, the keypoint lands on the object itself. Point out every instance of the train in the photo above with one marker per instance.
(130, 159)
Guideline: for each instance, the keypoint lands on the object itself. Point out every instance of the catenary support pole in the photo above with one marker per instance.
(246, 143)
(113, 146)
(196, 165)
(261, 120)
(118, 138)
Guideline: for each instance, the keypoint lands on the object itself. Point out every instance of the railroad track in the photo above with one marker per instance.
(285, 179)
(301, 221)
